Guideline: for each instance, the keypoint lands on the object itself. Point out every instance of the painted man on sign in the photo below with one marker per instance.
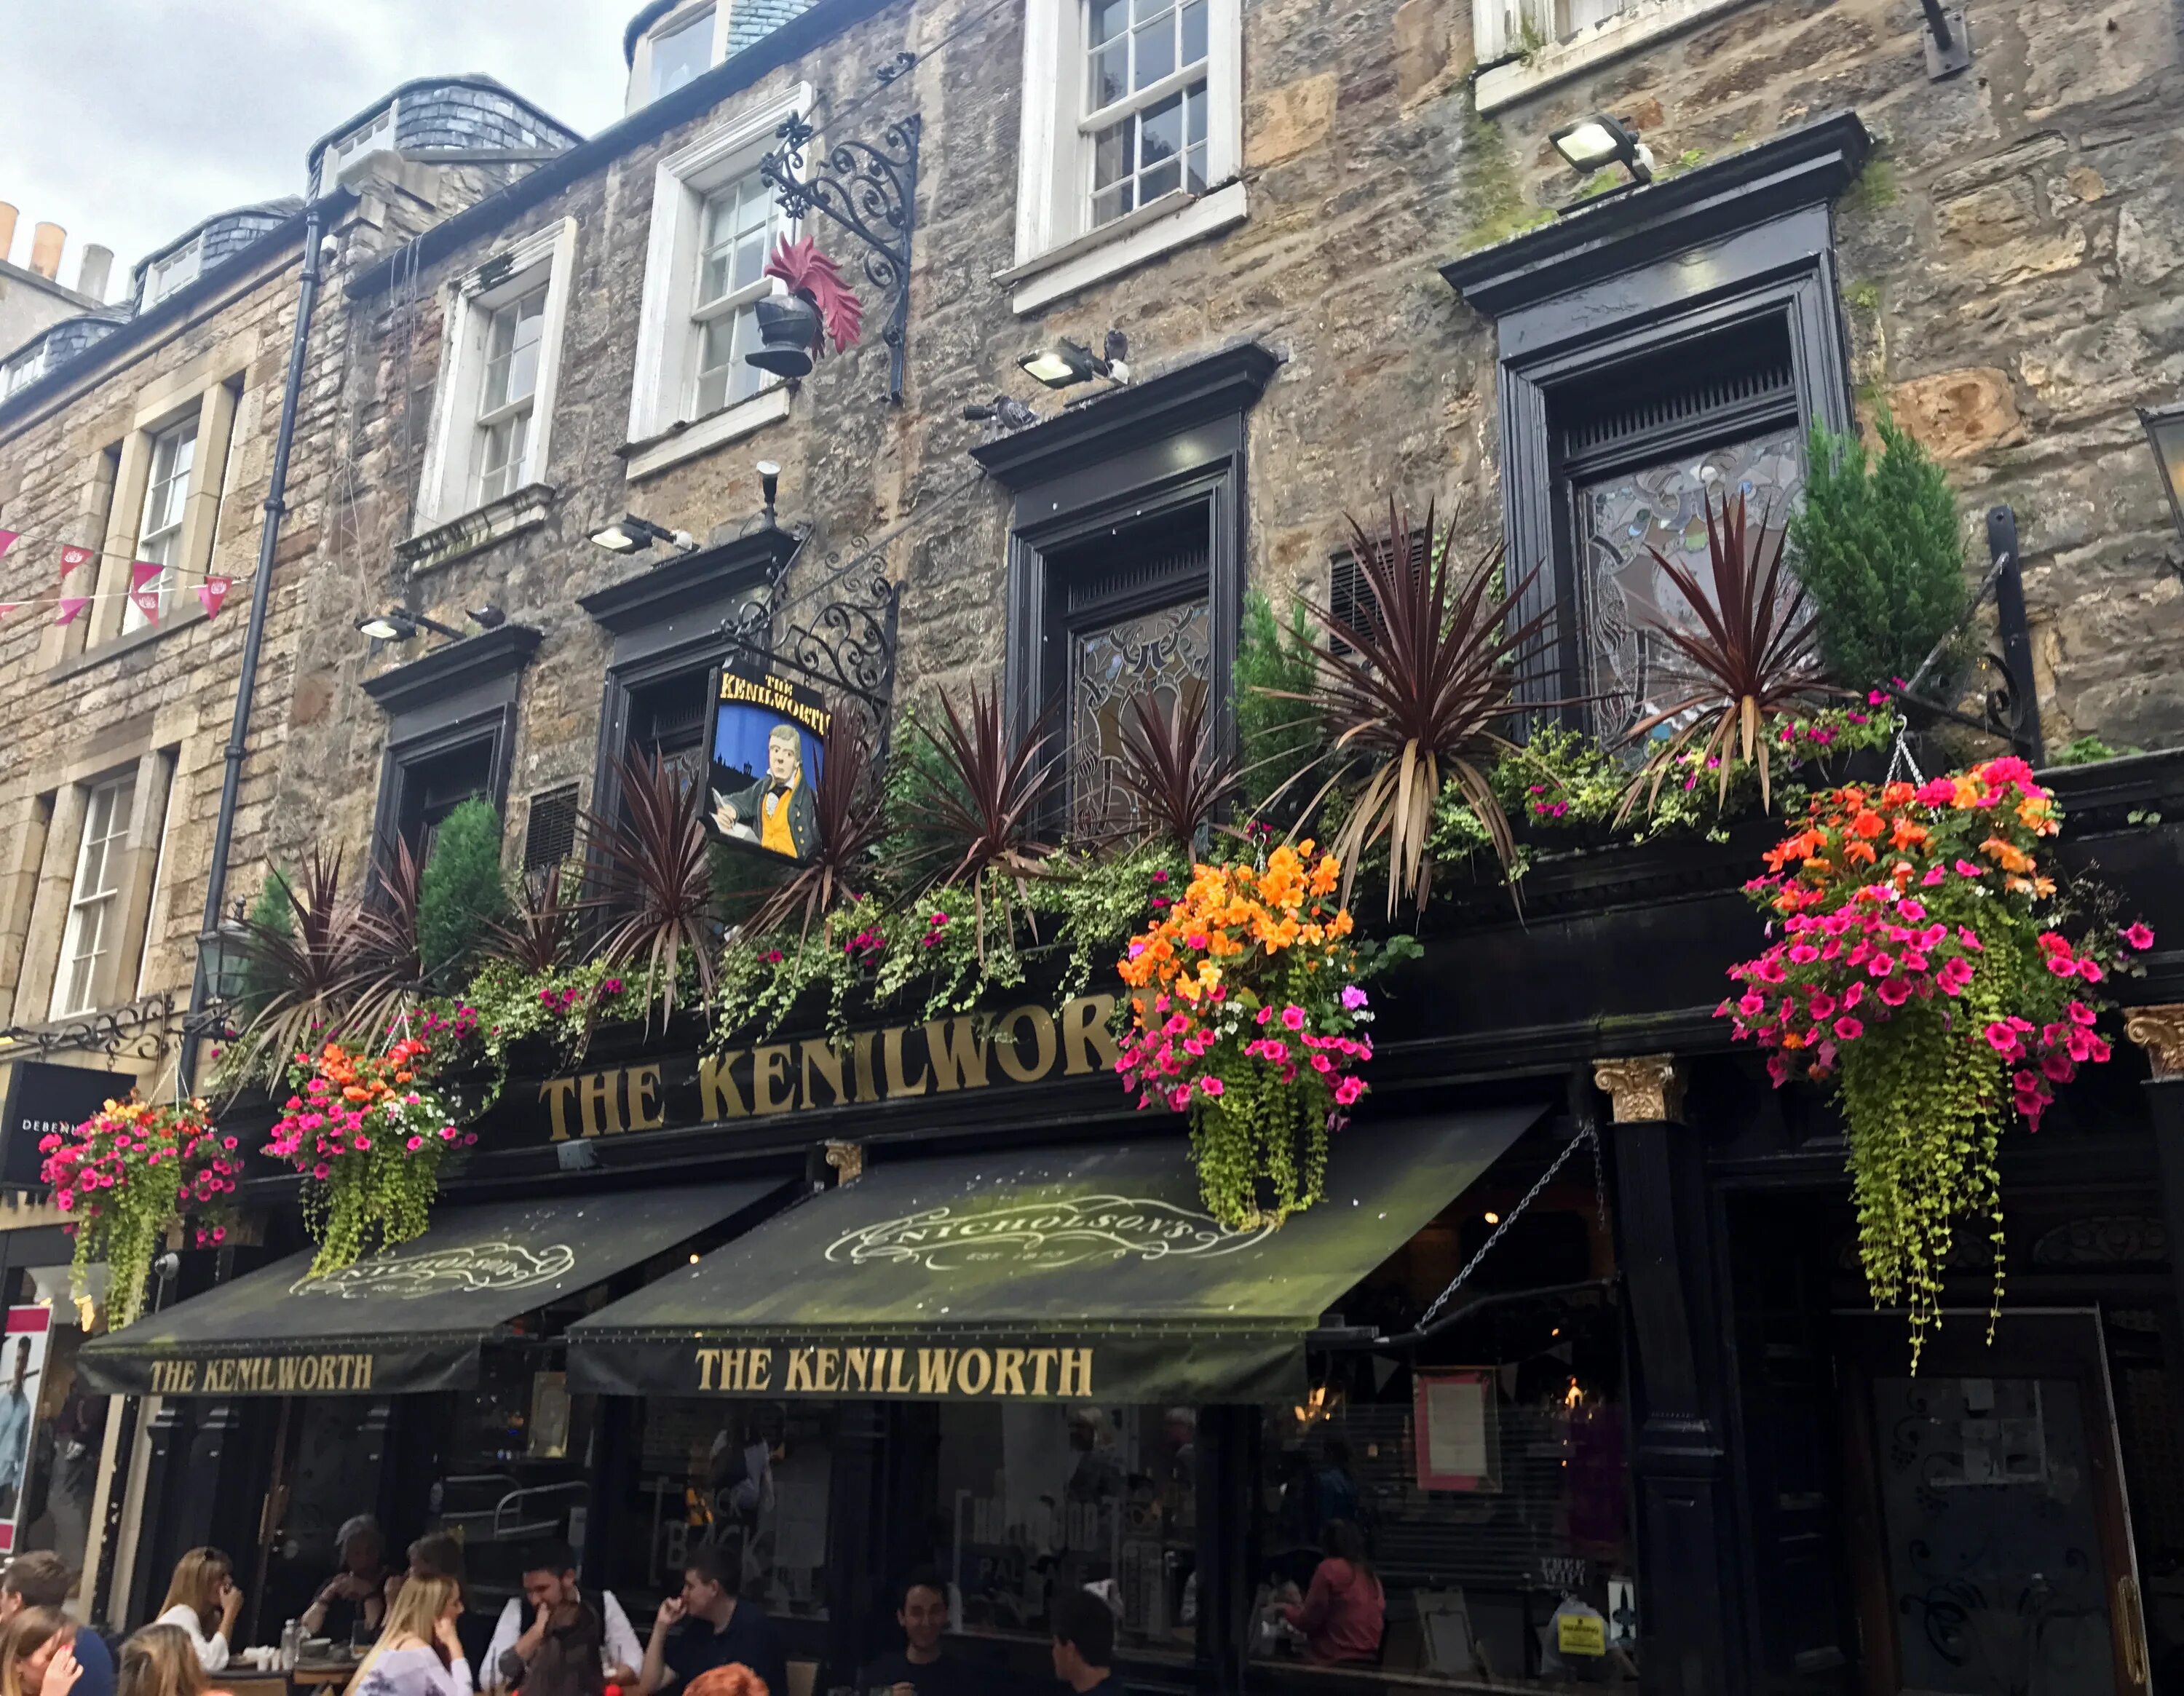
(777, 812)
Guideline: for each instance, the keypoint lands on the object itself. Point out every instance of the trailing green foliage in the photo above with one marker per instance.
(1280, 735)
(462, 898)
(2088, 750)
(1879, 549)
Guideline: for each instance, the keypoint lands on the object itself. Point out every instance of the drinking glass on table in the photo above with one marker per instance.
(361, 1637)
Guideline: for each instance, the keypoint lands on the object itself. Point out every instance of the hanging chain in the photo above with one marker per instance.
(1588, 1134)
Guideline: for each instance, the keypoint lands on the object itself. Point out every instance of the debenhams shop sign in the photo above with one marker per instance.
(1025, 1045)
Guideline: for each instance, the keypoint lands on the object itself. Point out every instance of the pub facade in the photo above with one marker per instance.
(1575, 1334)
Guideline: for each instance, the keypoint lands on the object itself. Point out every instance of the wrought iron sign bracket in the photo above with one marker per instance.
(838, 635)
(871, 193)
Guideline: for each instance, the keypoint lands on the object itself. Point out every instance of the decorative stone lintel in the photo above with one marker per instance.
(2160, 1031)
(1646, 1089)
(523, 509)
(848, 1161)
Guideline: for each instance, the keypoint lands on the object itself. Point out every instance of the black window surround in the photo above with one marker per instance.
(453, 698)
(1160, 446)
(1701, 261)
(666, 622)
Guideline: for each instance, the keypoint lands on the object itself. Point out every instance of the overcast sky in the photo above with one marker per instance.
(127, 121)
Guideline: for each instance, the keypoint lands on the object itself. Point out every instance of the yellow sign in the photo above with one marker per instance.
(787, 1368)
(262, 1375)
(1580, 1634)
(1027, 1045)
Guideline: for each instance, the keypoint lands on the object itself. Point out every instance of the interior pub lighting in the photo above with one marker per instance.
(1601, 140)
(630, 534)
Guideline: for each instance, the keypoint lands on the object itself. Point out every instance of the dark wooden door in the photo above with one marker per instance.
(1990, 1541)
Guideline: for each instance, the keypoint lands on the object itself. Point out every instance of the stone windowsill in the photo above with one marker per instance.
(715, 429)
(1167, 224)
(479, 528)
(120, 646)
(1504, 85)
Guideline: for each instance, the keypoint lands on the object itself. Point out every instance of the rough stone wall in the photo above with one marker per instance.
(172, 687)
(2009, 300)
(2014, 266)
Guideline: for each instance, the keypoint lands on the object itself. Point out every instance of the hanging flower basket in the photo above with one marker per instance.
(127, 1176)
(1926, 966)
(370, 1134)
(1246, 1013)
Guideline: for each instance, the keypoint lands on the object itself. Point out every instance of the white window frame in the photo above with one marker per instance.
(175, 271)
(89, 936)
(365, 138)
(1497, 40)
(21, 372)
(662, 395)
(640, 67)
(1058, 251)
(164, 521)
(449, 487)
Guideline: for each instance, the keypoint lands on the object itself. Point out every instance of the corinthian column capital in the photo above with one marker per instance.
(1646, 1089)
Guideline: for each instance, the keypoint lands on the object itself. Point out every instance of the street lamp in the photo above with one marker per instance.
(224, 960)
(2164, 434)
(1599, 140)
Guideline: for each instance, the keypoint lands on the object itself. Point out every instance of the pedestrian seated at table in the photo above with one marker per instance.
(354, 1595)
(707, 1626)
(418, 1653)
(41, 1579)
(547, 1656)
(924, 1665)
(203, 1600)
(159, 1660)
(1083, 1627)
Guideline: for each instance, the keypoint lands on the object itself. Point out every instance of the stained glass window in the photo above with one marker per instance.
(1164, 654)
(1630, 671)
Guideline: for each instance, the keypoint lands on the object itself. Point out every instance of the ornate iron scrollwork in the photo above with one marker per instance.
(140, 1030)
(871, 193)
(838, 634)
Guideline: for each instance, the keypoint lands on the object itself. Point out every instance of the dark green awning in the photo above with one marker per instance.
(1056, 1274)
(409, 1320)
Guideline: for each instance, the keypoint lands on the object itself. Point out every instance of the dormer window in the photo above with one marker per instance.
(174, 270)
(682, 52)
(374, 134)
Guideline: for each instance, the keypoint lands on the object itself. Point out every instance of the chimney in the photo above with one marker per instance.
(96, 266)
(46, 241)
(7, 230)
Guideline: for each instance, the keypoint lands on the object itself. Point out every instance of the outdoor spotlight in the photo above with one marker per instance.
(1601, 140)
(769, 487)
(488, 617)
(396, 625)
(630, 534)
(2164, 434)
(1066, 364)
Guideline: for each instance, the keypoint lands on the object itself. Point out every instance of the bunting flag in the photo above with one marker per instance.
(8, 539)
(70, 605)
(211, 592)
(72, 556)
(7, 607)
(144, 587)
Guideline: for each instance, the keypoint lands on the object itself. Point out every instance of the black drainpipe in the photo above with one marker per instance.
(261, 595)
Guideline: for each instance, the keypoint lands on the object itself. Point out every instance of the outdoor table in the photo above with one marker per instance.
(307, 1675)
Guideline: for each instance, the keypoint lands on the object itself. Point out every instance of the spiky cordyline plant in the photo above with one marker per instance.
(1174, 778)
(655, 877)
(333, 973)
(1419, 698)
(387, 927)
(851, 823)
(540, 935)
(1755, 659)
(979, 818)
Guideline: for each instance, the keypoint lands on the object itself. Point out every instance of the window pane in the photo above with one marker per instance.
(1194, 169)
(1159, 136)
(1110, 75)
(1156, 44)
(682, 54)
(1106, 21)
(1194, 32)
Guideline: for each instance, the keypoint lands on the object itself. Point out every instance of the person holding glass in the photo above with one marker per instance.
(203, 1592)
(351, 1605)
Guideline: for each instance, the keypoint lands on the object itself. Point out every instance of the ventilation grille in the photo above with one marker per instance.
(1169, 566)
(1349, 596)
(1729, 377)
(550, 836)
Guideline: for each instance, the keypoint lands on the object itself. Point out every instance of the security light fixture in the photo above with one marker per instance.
(630, 534)
(396, 625)
(488, 617)
(1601, 140)
(769, 488)
(2164, 434)
(1066, 364)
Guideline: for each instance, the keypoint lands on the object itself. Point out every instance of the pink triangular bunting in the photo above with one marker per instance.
(211, 592)
(72, 556)
(8, 539)
(70, 605)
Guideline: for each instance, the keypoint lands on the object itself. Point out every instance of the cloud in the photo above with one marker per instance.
(127, 121)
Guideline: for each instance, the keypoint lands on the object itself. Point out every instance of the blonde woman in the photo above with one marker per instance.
(203, 1600)
(37, 1655)
(418, 1653)
(161, 1661)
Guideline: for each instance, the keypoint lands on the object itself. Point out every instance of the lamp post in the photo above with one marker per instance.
(2164, 434)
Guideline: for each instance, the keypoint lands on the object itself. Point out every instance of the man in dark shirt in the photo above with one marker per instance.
(711, 1628)
(41, 1579)
(1083, 1629)
(921, 1666)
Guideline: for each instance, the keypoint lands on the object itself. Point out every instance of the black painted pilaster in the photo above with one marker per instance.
(1679, 1461)
(855, 1539)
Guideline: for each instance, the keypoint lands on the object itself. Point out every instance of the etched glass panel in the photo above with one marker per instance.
(1631, 672)
(1164, 654)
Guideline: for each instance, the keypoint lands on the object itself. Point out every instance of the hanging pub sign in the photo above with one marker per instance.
(766, 743)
